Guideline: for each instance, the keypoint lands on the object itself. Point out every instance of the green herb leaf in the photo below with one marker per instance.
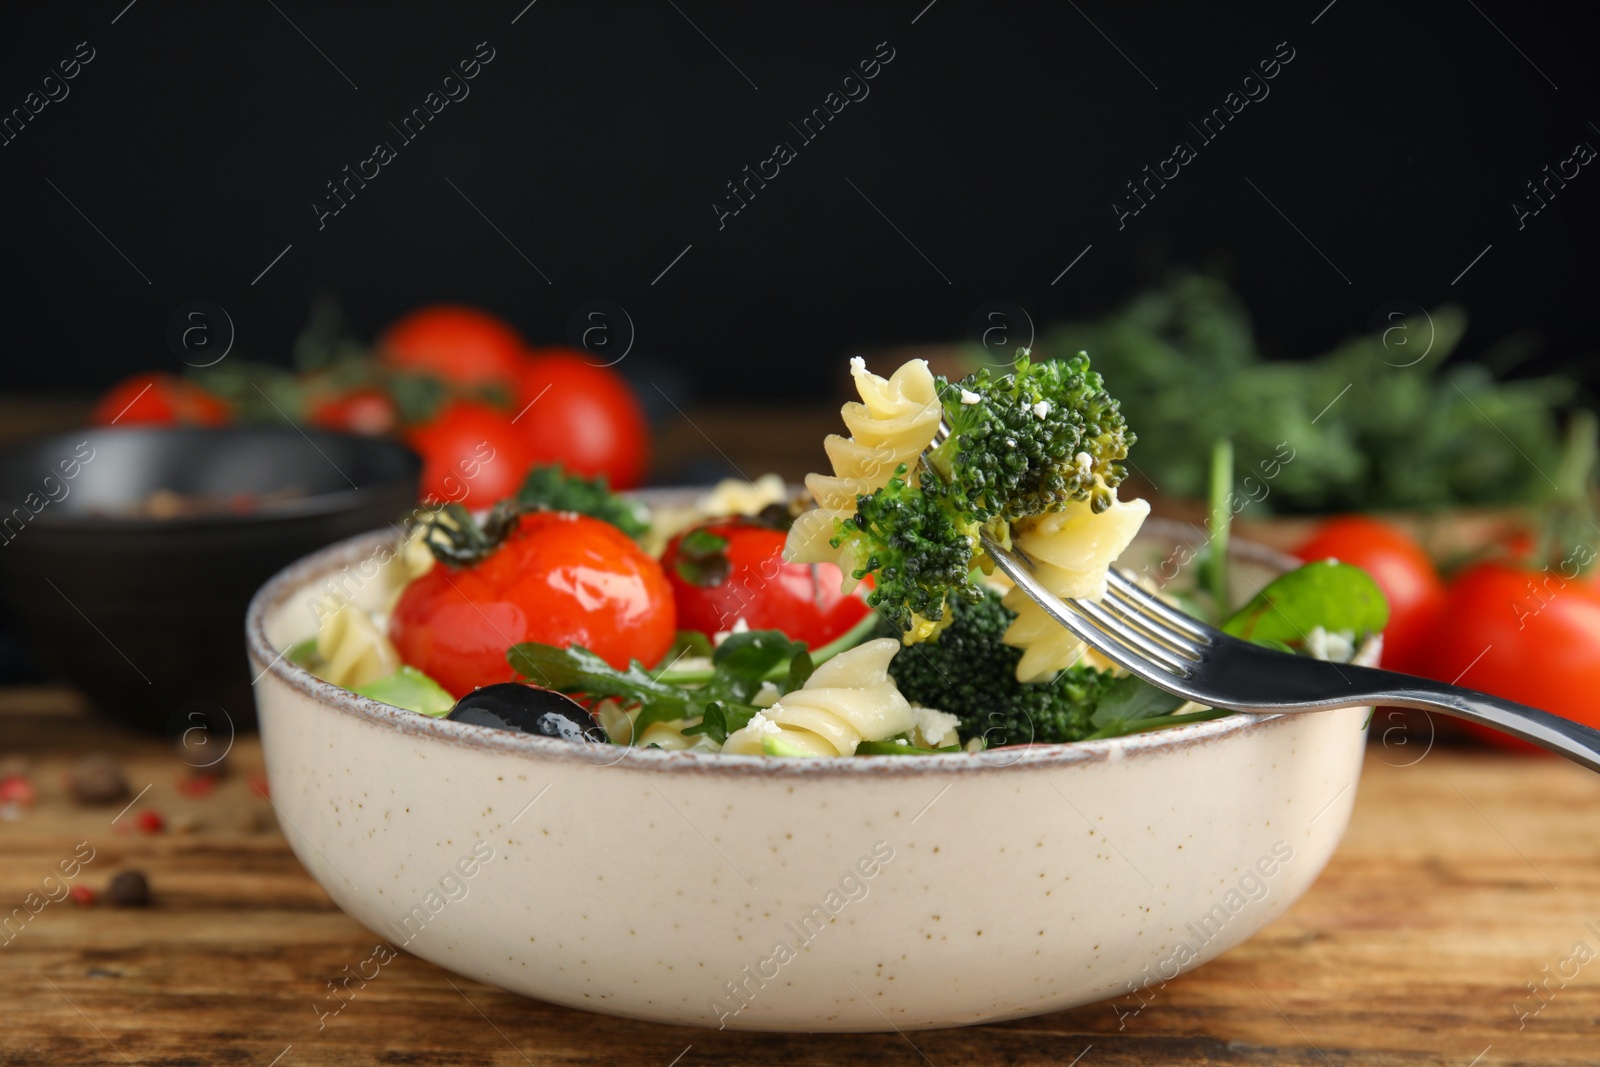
(893, 748)
(410, 689)
(1129, 699)
(1336, 596)
(800, 669)
(686, 643)
(743, 661)
(1158, 722)
(550, 488)
(722, 719)
(578, 671)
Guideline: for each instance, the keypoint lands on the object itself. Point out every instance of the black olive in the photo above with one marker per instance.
(530, 710)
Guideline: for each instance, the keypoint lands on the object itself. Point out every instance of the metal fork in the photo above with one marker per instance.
(1148, 637)
(1173, 651)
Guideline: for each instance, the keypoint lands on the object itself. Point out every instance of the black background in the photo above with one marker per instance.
(601, 134)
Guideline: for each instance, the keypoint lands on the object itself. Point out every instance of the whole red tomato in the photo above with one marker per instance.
(158, 399)
(1525, 635)
(459, 345)
(367, 410)
(1408, 578)
(734, 569)
(471, 455)
(560, 579)
(583, 417)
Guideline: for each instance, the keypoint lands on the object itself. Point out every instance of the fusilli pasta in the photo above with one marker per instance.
(892, 424)
(1072, 549)
(352, 649)
(847, 700)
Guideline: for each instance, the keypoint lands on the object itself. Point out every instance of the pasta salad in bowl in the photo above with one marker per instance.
(778, 709)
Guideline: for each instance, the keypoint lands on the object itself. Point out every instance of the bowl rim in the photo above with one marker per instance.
(265, 660)
(310, 506)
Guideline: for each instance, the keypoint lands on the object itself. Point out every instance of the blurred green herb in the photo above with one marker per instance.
(1378, 423)
(551, 488)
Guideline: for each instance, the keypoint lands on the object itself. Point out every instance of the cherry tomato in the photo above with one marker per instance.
(1526, 635)
(583, 417)
(1402, 570)
(158, 399)
(471, 455)
(368, 410)
(734, 569)
(559, 578)
(459, 345)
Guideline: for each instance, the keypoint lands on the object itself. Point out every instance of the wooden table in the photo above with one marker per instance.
(1462, 877)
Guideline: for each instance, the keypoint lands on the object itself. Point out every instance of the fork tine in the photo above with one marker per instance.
(1116, 629)
(1070, 614)
(1151, 623)
(1154, 605)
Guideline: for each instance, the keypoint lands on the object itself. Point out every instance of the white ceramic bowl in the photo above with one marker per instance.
(793, 894)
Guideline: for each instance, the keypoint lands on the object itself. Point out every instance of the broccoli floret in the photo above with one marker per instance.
(971, 674)
(552, 489)
(1016, 440)
(910, 541)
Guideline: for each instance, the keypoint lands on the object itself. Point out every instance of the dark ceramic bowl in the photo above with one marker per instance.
(144, 614)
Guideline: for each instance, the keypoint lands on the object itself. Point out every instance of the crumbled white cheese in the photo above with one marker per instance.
(969, 397)
(1337, 646)
(763, 726)
(902, 741)
(932, 728)
(766, 696)
(858, 365)
(740, 626)
(1041, 409)
(1084, 461)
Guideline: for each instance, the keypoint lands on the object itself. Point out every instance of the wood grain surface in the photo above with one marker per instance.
(1463, 877)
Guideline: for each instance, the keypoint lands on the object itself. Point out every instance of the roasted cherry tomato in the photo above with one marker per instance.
(583, 417)
(158, 399)
(734, 569)
(1527, 635)
(368, 410)
(471, 455)
(1402, 570)
(459, 345)
(558, 578)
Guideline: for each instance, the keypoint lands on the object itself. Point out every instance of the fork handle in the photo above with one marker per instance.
(1576, 742)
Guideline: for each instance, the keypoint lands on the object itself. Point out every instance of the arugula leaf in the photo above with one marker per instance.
(578, 671)
(741, 663)
(800, 669)
(1129, 699)
(685, 643)
(739, 666)
(1336, 596)
(722, 719)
